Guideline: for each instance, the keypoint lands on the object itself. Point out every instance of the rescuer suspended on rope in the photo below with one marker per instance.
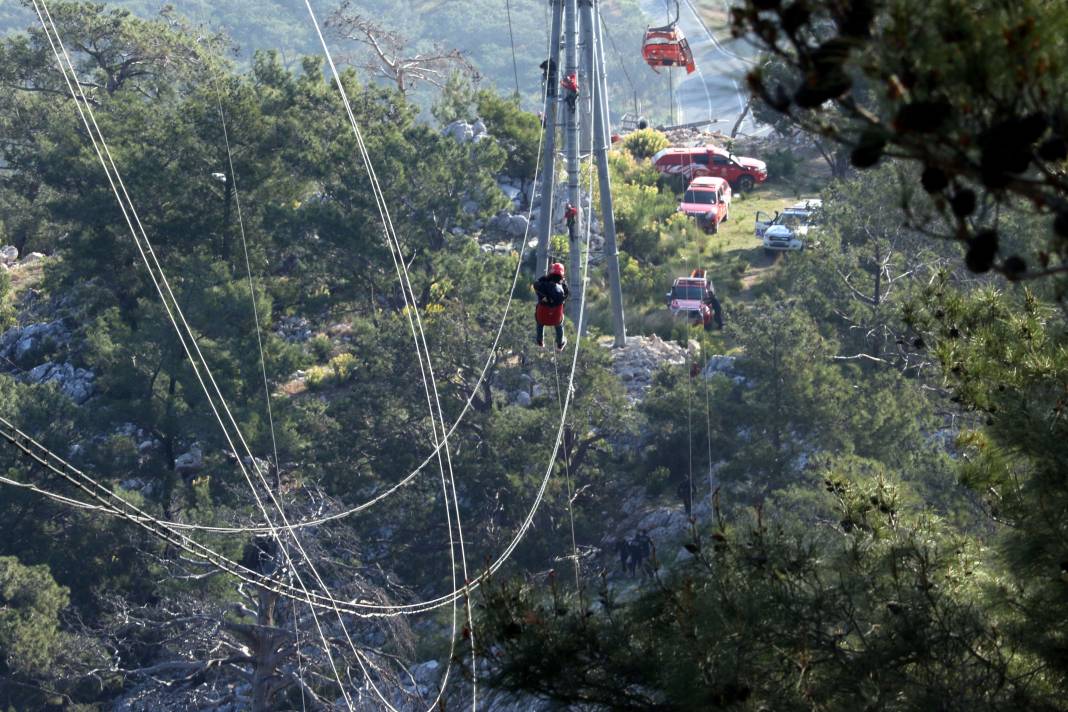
(552, 292)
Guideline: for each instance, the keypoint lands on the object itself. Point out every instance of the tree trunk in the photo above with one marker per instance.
(228, 200)
(875, 300)
(264, 672)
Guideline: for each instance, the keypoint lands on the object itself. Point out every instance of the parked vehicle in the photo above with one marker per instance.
(692, 162)
(709, 200)
(789, 230)
(695, 298)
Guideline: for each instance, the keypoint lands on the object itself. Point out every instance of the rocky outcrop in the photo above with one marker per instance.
(22, 345)
(8, 254)
(294, 329)
(463, 132)
(30, 352)
(191, 462)
(511, 225)
(76, 383)
(636, 362)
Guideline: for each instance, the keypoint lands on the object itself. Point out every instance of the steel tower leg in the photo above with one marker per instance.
(574, 165)
(548, 153)
(601, 143)
(586, 80)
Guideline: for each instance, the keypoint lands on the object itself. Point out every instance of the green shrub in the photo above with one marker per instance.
(321, 347)
(343, 365)
(318, 377)
(645, 142)
(640, 211)
(782, 165)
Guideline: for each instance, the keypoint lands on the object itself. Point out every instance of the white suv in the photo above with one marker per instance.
(788, 230)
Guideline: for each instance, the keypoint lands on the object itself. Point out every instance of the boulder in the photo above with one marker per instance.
(22, 344)
(511, 192)
(514, 225)
(636, 363)
(8, 254)
(38, 374)
(190, 462)
(32, 257)
(294, 329)
(255, 464)
(75, 383)
(460, 131)
(522, 399)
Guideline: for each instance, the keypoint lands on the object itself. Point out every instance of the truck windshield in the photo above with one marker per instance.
(791, 220)
(686, 293)
(705, 197)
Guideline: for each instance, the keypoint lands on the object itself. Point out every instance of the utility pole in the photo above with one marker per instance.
(600, 148)
(548, 153)
(575, 218)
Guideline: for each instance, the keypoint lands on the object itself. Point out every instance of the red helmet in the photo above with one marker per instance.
(557, 269)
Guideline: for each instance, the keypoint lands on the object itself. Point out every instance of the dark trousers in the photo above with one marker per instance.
(559, 333)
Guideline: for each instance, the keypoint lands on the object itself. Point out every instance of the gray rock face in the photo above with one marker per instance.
(190, 462)
(294, 329)
(8, 254)
(21, 344)
(32, 257)
(463, 132)
(511, 192)
(522, 399)
(511, 225)
(636, 363)
(76, 383)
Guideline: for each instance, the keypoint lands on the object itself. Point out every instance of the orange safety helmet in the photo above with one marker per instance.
(557, 269)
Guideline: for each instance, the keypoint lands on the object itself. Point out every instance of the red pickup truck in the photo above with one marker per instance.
(708, 200)
(697, 161)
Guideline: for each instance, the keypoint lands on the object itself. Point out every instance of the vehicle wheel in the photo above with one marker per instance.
(746, 183)
(713, 227)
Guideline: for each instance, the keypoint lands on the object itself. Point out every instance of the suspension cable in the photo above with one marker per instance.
(146, 252)
(204, 552)
(511, 40)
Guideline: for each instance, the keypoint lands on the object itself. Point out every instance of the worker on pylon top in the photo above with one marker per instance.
(552, 292)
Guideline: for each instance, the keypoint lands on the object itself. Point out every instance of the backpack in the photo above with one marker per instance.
(550, 293)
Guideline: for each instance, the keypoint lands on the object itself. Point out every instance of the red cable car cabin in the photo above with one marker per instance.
(667, 47)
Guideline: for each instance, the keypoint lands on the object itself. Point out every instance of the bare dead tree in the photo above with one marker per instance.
(261, 651)
(389, 54)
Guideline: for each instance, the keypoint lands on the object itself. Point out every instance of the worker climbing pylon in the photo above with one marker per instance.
(570, 216)
(552, 292)
(548, 76)
(571, 90)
